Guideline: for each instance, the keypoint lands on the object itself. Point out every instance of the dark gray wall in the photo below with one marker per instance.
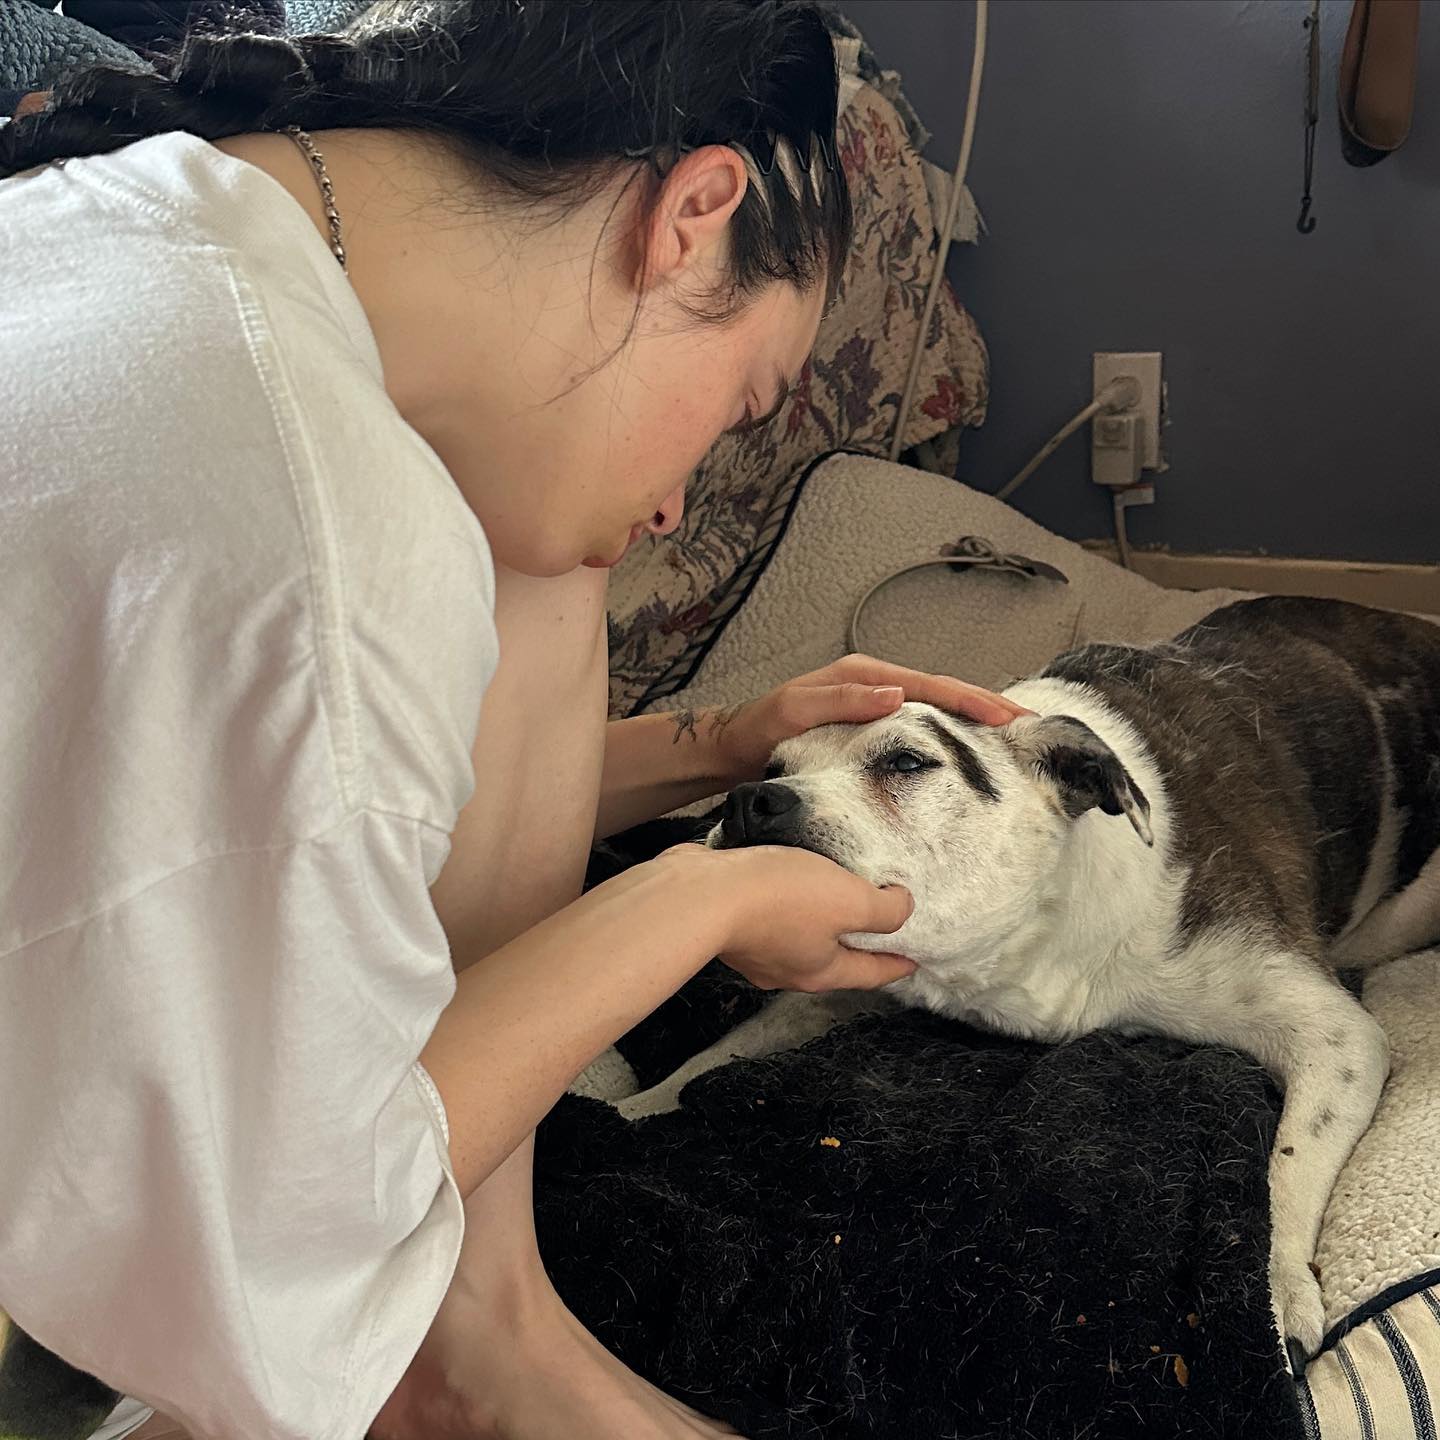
(1138, 163)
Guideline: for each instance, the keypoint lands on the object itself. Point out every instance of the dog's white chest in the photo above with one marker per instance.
(1043, 1006)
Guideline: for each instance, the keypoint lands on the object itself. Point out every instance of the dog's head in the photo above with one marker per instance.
(967, 817)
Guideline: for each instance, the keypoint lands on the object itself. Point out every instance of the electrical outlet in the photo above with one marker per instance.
(1115, 449)
(1144, 365)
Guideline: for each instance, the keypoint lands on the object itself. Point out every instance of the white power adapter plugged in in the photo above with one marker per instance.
(1115, 446)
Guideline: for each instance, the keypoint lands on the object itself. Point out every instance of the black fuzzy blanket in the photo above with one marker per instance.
(913, 1230)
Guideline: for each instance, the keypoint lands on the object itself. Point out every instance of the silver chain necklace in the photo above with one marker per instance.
(327, 190)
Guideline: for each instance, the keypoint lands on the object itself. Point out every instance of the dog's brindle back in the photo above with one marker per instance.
(1272, 721)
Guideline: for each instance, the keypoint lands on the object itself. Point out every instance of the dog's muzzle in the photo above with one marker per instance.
(761, 813)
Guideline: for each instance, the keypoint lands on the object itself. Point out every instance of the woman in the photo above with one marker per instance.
(318, 436)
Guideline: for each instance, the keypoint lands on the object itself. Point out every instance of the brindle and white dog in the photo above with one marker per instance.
(1273, 775)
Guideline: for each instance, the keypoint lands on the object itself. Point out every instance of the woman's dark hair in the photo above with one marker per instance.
(552, 99)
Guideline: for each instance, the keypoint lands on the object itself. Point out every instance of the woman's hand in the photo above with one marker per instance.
(785, 910)
(851, 691)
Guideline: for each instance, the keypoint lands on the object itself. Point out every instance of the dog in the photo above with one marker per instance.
(1186, 839)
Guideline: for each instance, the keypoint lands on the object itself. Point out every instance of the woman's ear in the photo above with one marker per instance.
(691, 217)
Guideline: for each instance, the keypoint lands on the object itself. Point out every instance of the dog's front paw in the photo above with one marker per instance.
(658, 1100)
(1299, 1311)
(607, 1077)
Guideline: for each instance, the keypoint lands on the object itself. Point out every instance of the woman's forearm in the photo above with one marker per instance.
(657, 763)
(526, 1022)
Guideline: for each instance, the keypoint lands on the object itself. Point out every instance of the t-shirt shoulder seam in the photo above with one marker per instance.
(134, 192)
(328, 601)
(294, 843)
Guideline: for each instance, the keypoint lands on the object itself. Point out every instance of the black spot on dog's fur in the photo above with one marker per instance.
(1324, 1118)
(967, 762)
(1347, 1075)
(1287, 1150)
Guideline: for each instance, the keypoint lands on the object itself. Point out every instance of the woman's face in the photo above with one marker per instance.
(680, 393)
(618, 389)
(606, 463)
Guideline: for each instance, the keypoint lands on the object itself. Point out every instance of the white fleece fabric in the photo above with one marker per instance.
(1383, 1224)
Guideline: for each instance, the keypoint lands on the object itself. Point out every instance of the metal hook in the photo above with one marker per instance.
(1306, 223)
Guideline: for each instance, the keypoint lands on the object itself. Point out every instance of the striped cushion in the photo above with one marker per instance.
(1381, 1379)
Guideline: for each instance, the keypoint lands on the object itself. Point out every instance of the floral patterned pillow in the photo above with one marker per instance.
(670, 598)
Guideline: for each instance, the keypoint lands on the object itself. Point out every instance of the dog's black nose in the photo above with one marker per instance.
(763, 813)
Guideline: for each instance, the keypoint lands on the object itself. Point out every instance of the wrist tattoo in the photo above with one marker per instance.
(685, 723)
(690, 722)
(722, 718)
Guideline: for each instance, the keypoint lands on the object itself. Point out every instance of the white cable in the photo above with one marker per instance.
(1049, 448)
(952, 211)
(1122, 535)
(1122, 393)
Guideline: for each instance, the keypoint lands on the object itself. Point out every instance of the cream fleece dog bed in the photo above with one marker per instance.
(1379, 1253)
(851, 521)
(1383, 1225)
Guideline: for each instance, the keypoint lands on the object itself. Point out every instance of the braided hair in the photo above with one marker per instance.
(549, 99)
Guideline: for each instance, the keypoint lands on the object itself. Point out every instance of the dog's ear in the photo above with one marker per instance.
(1086, 772)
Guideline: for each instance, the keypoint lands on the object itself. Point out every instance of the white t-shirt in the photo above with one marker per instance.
(246, 621)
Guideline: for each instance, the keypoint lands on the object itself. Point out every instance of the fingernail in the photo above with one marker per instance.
(890, 692)
(909, 894)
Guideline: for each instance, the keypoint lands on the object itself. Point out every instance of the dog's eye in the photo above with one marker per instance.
(906, 761)
(774, 772)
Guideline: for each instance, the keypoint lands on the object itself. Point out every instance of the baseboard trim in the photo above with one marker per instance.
(1415, 588)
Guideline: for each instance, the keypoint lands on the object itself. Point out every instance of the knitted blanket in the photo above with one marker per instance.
(38, 44)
